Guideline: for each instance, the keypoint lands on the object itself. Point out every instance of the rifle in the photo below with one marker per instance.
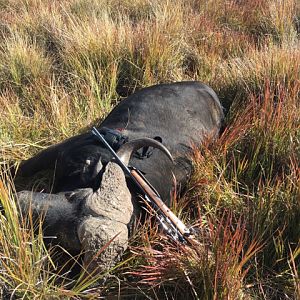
(169, 222)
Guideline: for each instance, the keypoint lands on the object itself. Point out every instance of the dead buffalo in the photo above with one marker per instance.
(91, 203)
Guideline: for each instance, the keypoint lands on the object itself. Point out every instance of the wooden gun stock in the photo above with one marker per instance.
(178, 224)
(160, 204)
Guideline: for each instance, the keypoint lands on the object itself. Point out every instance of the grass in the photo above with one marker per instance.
(65, 64)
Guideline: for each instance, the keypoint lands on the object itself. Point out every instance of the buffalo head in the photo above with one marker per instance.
(89, 220)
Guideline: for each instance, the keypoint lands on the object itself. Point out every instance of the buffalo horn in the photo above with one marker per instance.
(129, 148)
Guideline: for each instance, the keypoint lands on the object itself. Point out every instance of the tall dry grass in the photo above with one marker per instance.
(65, 64)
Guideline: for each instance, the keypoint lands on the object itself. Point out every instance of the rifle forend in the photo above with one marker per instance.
(170, 223)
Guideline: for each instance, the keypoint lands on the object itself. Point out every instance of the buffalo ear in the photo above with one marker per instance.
(127, 149)
(146, 151)
(158, 138)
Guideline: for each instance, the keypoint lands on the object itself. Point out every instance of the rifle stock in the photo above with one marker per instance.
(160, 204)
